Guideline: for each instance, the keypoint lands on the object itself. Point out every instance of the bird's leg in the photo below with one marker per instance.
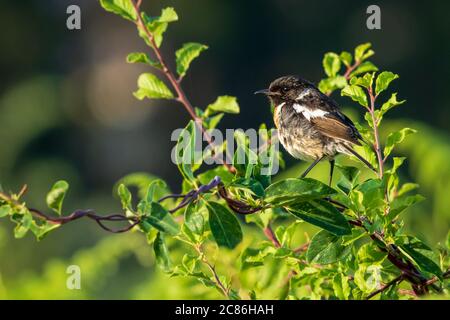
(331, 171)
(310, 167)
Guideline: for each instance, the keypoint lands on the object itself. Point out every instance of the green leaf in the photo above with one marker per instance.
(391, 103)
(142, 181)
(362, 52)
(356, 93)
(141, 57)
(186, 55)
(194, 217)
(56, 196)
(396, 138)
(326, 248)
(346, 58)
(161, 219)
(158, 25)
(383, 81)
(364, 67)
(24, 222)
(124, 196)
(224, 225)
(149, 86)
(123, 8)
(296, 190)
(5, 210)
(365, 81)
(252, 258)
(341, 287)
(328, 85)
(162, 253)
(373, 193)
(188, 158)
(331, 64)
(401, 203)
(322, 214)
(423, 262)
(370, 254)
(225, 104)
(252, 185)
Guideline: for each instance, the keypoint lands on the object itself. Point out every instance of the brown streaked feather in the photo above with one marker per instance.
(334, 128)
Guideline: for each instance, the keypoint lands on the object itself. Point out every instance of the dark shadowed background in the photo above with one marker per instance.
(67, 110)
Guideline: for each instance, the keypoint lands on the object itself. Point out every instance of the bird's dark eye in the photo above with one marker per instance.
(285, 89)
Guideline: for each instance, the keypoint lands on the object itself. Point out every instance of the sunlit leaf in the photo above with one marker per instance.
(149, 86)
(224, 225)
(123, 8)
(56, 196)
(186, 55)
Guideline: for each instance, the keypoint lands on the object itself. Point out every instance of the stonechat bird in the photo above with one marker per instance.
(310, 125)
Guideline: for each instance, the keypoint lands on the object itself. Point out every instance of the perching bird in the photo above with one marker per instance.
(310, 125)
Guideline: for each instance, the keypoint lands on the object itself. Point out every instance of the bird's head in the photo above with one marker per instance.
(285, 89)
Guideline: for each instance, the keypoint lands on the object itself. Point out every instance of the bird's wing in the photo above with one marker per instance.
(335, 126)
(333, 123)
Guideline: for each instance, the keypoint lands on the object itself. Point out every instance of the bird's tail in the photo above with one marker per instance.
(356, 154)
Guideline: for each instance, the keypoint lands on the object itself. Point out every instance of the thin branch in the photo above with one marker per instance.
(181, 96)
(377, 144)
(271, 236)
(212, 269)
(385, 287)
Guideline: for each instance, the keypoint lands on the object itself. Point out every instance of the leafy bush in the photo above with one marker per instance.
(360, 251)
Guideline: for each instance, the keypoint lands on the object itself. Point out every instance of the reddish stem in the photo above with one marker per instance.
(181, 95)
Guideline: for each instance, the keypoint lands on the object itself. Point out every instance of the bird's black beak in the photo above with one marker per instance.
(263, 91)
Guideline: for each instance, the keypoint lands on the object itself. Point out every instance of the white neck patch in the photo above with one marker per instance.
(307, 113)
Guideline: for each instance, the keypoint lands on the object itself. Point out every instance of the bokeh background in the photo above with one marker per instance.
(67, 112)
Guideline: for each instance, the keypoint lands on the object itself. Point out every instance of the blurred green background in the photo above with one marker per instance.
(67, 112)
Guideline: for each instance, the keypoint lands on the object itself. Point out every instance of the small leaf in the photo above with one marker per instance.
(158, 25)
(328, 85)
(356, 93)
(362, 52)
(225, 104)
(391, 103)
(252, 185)
(140, 57)
(161, 219)
(125, 197)
(5, 210)
(162, 253)
(326, 248)
(187, 157)
(224, 225)
(370, 254)
(395, 138)
(423, 262)
(402, 203)
(194, 218)
(365, 81)
(123, 8)
(322, 214)
(364, 67)
(331, 64)
(383, 81)
(24, 223)
(346, 58)
(296, 190)
(186, 55)
(149, 86)
(56, 196)
(341, 287)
